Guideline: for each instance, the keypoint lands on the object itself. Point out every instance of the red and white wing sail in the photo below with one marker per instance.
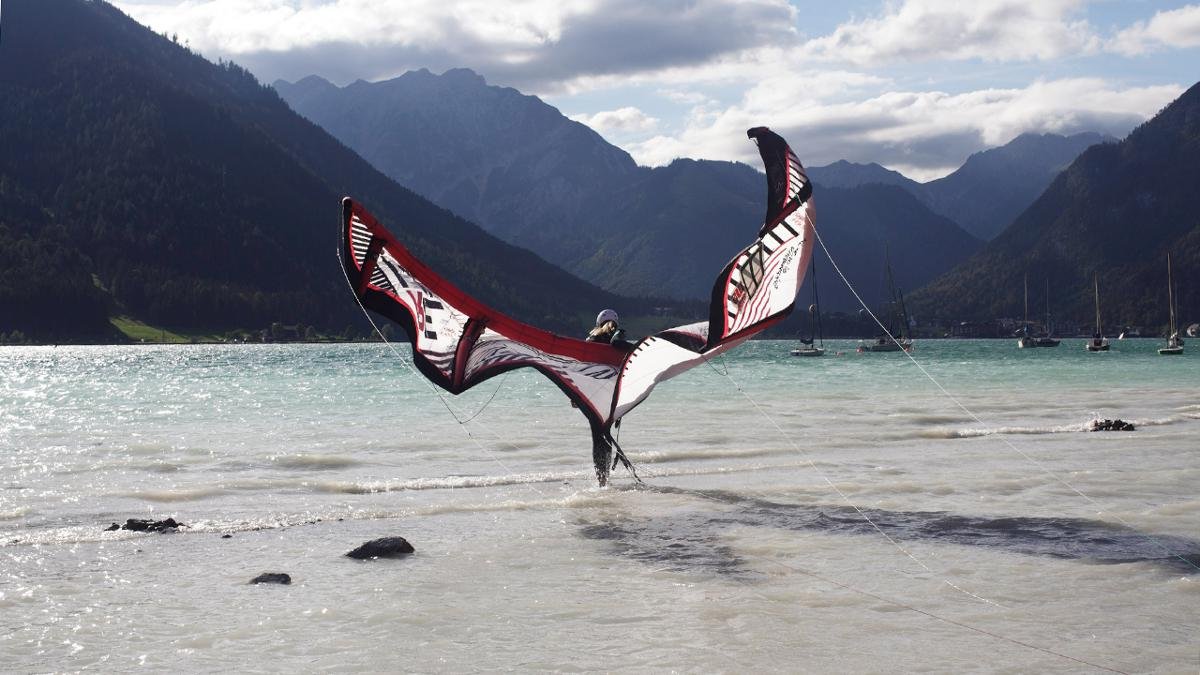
(459, 342)
(755, 290)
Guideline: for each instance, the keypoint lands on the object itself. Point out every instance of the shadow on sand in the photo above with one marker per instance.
(695, 540)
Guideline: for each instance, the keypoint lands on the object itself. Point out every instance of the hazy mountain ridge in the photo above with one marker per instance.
(1115, 212)
(716, 204)
(490, 154)
(989, 190)
(843, 174)
(634, 230)
(994, 186)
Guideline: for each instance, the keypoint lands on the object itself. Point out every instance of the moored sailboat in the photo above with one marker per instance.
(1174, 341)
(1045, 340)
(1026, 340)
(896, 337)
(814, 311)
(1098, 343)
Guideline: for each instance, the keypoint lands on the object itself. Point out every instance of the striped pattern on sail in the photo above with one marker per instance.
(796, 178)
(759, 285)
(439, 325)
(360, 242)
(745, 279)
(771, 258)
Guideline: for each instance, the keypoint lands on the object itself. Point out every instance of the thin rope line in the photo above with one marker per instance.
(440, 395)
(850, 502)
(489, 401)
(903, 605)
(946, 620)
(979, 420)
(876, 596)
(814, 575)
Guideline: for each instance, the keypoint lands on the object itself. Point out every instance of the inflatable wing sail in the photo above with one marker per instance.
(458, 342)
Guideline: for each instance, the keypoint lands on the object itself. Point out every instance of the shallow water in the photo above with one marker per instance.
(834, 514)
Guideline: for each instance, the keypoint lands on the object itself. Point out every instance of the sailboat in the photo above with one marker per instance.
(1098, 343)
(896, 338)
(1026, 340)
(1045, 340)
(1174, 342)
(814, 311)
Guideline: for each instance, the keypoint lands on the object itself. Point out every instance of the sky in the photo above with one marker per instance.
(914, 85)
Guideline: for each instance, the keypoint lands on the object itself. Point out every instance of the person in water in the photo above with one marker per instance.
(608, 329)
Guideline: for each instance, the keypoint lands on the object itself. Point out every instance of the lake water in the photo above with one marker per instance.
(840, 514)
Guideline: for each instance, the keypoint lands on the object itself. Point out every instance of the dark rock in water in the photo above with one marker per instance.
(1112, 425)
(142, 525)
(227, 536)
(272, 578)
(387, 547)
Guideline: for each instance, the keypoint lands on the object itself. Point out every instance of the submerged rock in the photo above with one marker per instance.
(143, 525)
(272, 578)
(387, 547)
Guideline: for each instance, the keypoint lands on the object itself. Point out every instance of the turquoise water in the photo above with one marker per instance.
(743, 551)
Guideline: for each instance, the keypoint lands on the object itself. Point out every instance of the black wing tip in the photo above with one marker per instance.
(755, 132)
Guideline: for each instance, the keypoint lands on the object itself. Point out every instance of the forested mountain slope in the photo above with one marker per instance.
(137, 177)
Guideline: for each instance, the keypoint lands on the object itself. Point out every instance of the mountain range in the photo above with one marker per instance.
(490, 154)
(535, 178)
(1114, 213)
(138, 178)
(989, 190)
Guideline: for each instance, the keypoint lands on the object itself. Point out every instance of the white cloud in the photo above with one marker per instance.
(732, 63)
(237, 27)
(1178, 28)
(923, 134)
(622, 120)
(539, 46)
(684, 96)
(990, 30)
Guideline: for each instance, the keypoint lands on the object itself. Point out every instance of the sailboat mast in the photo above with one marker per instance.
(1026, 301)
(816, 301)
(887, 261)
(1096, 286)
(1170, 296)
(1047, 305)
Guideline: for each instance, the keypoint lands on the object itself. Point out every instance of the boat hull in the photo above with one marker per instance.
(808, 351)
(1028, 343)
(888, 347)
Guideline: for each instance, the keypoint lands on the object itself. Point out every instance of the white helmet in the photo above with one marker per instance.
(606, 315)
